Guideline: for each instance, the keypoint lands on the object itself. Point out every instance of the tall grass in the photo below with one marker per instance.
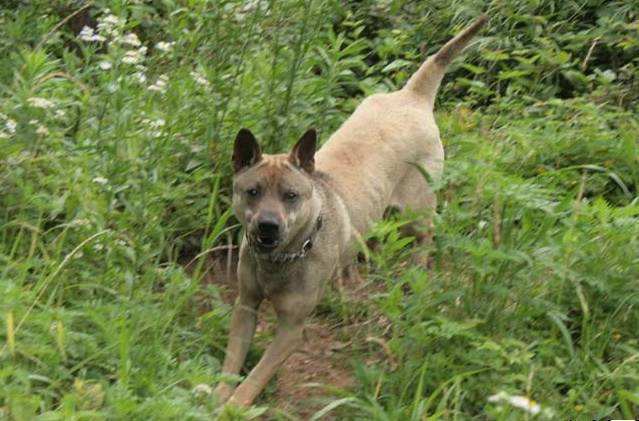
(114, 170)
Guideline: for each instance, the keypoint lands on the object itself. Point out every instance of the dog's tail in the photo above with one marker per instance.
(426, 80)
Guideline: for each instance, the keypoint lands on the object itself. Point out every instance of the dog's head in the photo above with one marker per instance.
(273, 195)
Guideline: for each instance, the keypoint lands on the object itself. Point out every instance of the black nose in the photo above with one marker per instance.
(268, 228)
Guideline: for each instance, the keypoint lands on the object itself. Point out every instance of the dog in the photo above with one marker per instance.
(304, 213)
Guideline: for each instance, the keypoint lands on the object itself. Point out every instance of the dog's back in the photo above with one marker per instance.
(370, 156)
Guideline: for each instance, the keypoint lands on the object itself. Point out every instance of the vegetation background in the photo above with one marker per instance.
(114, 169)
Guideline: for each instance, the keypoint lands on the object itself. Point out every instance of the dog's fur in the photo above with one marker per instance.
(327, 199)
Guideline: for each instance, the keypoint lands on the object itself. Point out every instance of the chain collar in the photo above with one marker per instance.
(289, 257)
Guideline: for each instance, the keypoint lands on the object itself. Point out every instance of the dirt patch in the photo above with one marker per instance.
(306, 379)
(314, 375)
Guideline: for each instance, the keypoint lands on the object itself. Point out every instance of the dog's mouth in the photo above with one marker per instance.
(266, 243)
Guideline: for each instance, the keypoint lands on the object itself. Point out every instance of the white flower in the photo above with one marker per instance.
(155, 125)
(520, 402)
(194, 148)
(140, 77)
(88, 34)
(131, 57)
(249, 6)
(105, 65)
(109, 25)
(33, 122)
(40, 102)
(160, 84)
(110, 20)
(42, 130)
(202, 389)
(100, 180)
(60, 113)
(134, 56)
(80, 222)
(131, 39)
(199, 79)
(11, 126)
(164, 46)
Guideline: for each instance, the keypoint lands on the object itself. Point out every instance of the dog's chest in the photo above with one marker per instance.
(272, 280)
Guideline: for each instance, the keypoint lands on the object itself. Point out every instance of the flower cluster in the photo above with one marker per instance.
(200, 79)
(156, 126)
(88, 34)
(134, 56)
(128, 50)
(140, 75)
(50, 108)
(521, 402)
(100, 180)
(10, 126)
(42, 130)
(110, 25)
(130, 39)
(160, 84)
(38, 102)
(164, 46)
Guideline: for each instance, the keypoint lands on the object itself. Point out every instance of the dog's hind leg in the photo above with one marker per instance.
(415, 197)
(349, 276)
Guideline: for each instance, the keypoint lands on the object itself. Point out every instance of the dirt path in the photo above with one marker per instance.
(305, 381)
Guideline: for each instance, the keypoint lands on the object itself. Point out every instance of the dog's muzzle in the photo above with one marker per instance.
(267, 235)
(263, 244)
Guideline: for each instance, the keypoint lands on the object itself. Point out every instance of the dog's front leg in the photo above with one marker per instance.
(288, 337)
(241, 333)
(292, 308)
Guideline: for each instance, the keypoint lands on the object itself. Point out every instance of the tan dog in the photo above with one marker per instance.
(304, 213)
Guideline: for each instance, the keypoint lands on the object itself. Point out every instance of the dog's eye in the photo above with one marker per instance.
(290, 195)
(252, 192)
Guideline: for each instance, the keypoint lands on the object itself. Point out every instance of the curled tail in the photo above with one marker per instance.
(426, 80)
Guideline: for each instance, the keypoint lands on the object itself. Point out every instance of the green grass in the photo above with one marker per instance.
(106, 186)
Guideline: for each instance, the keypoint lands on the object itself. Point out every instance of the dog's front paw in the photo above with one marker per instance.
(222, 393)
(243, 395)
(239, 401)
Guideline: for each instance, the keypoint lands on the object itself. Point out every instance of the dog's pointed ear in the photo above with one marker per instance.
(246, 151)
(303, 153)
